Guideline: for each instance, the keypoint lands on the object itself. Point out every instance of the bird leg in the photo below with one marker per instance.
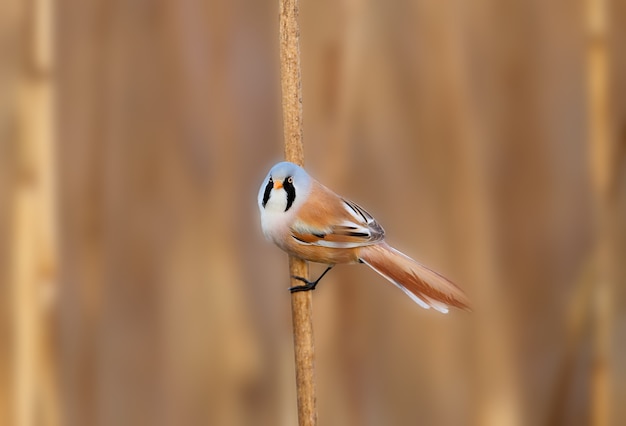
(308, 285)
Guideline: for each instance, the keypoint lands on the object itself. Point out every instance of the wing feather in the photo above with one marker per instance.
(332, 221)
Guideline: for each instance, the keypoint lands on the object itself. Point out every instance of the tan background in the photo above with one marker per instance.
(487, 136)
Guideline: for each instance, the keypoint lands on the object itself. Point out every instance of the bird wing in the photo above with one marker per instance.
(337, 223)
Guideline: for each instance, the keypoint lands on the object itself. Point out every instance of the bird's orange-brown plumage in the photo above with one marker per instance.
(428, 286)
(311, 227)
(323, 227)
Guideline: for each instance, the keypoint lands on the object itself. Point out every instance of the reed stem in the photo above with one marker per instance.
(301, 302)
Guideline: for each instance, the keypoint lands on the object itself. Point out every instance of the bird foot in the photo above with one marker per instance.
(308, 285)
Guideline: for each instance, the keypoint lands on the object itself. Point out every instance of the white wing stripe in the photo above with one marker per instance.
(356, 214)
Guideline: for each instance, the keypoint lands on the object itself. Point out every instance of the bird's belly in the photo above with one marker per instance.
(326, 255)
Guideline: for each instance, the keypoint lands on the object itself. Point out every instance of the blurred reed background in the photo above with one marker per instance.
(488, 137)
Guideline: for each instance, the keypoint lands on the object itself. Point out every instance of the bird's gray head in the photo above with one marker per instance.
(285, 185)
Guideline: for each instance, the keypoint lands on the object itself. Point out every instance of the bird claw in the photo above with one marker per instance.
(308, 285)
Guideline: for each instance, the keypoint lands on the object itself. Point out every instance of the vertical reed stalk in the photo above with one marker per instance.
(601, 148)
(301, 303)
(34, 233)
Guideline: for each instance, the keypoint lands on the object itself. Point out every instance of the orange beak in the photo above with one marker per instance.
(278, 185)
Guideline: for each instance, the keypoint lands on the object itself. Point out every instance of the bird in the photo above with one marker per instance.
(309, 221)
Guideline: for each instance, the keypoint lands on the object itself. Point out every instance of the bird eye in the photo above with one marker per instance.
(290, 179)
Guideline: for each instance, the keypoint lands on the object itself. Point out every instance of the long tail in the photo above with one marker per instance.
(425, 286)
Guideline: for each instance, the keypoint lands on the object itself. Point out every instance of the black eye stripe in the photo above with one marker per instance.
(291, 191)
(268, 189)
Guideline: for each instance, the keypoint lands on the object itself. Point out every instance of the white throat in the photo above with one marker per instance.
(277, 202)
(274, 219)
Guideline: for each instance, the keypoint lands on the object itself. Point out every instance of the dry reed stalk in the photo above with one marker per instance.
(301, 302)
(34, 233)
(601, 148)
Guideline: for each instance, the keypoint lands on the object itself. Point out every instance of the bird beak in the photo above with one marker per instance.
(278, 185)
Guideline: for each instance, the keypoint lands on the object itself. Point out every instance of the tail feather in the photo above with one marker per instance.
(424, 286)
